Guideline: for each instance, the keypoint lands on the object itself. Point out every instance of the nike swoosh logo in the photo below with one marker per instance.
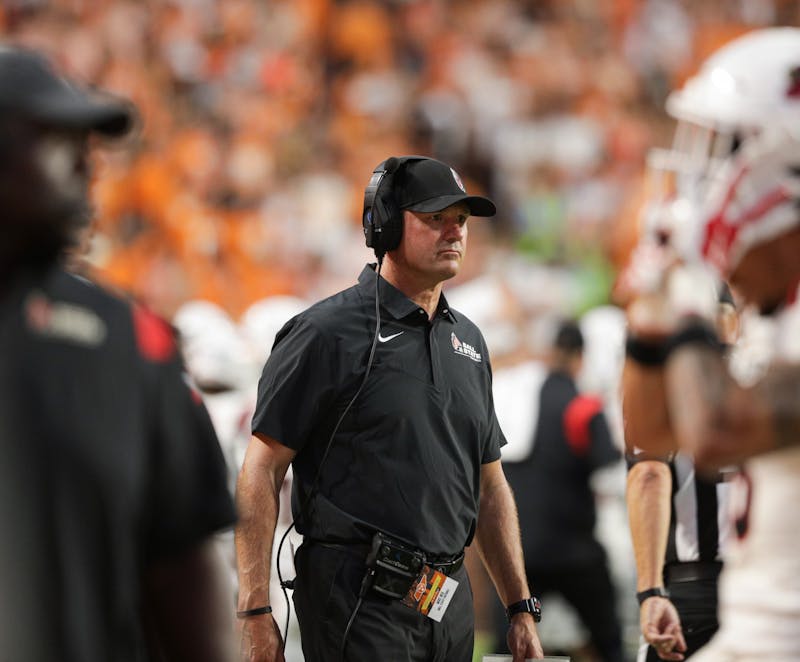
(388, 338)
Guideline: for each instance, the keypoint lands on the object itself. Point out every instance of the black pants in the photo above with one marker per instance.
(326, 591)
(590, 591)
(696, 602)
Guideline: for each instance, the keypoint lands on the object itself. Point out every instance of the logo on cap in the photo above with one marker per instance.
(458, 180)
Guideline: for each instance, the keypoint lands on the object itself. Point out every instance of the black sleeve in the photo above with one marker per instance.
(603, 450)
(298, 384)
(495, 438)
(586, 431)
(189, 497)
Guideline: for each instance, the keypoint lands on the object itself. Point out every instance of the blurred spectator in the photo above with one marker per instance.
(549, 107)
(555, 500)
(261, 120)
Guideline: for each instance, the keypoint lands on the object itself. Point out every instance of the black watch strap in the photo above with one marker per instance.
(656, 591)
(530, 605)
(258, 611)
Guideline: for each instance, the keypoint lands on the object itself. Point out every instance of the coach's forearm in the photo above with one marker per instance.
(498, 536)
(258, 502)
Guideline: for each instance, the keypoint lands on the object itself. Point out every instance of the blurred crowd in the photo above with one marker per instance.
(240, 197)
(261, 122)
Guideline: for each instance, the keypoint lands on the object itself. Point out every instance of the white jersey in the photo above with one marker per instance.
(760, 585)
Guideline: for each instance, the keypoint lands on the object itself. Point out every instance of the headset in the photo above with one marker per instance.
(382, 218)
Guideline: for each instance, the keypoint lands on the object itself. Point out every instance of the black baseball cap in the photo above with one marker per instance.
(31, 89)
(428, 185)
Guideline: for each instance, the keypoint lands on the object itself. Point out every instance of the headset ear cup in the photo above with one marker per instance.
(369, 219)
(391, 222)
(382, 218)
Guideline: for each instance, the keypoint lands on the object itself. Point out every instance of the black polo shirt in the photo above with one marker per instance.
(108, 463)
(407, 456)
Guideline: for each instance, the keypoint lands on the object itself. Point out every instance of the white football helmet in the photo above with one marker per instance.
(730, 180)
(213, 348)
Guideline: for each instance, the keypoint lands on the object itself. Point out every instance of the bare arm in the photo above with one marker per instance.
(718, 421)
(498, 540)
(781, 389)
(649, 430)
(187, 606)
(648, 496)
(258, 501)
(645, 411)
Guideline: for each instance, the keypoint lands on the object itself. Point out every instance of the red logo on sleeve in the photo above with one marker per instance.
(154, 336)
(577, 417)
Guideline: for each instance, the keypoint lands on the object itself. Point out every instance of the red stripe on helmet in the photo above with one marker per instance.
(721, 232)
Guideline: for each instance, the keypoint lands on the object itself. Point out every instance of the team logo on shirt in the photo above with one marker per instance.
(464, 349)
(63, 321)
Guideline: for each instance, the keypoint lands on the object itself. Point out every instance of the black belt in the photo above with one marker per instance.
(447, 564)
(691, 571)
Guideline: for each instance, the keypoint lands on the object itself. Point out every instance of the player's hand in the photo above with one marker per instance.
(261, 640)
(661, 628)
(642, 290)
(644, 273)
(688, 292)
(523, 640)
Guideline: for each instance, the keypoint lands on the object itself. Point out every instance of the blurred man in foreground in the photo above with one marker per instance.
(111, 479)
(737, 155)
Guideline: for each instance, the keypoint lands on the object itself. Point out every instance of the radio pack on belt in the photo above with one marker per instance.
(395, 566)
(399, 572)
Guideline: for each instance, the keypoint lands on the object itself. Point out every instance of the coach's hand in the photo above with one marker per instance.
(523, 640)
(661, 628)
(261, 639)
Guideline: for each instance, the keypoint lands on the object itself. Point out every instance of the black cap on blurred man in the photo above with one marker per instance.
(45, 123)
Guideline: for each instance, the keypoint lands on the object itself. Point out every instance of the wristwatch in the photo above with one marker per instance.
(658, 591)
(530, 605)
